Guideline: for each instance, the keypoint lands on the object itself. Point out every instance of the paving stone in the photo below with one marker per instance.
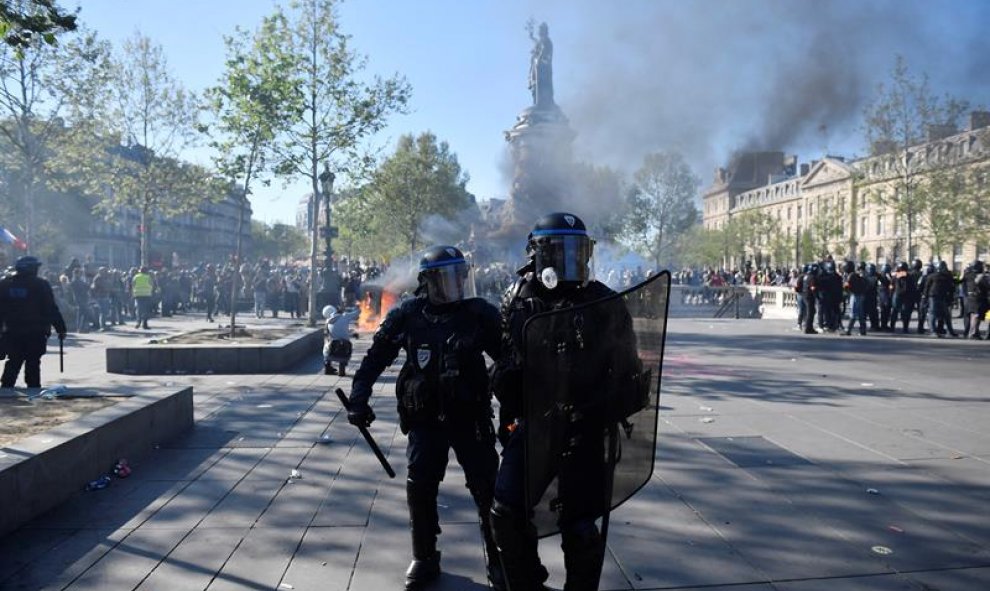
(195, 561)
(62, 564)
(259, 561)
(130, 561)
(187, 508)
(325, 559)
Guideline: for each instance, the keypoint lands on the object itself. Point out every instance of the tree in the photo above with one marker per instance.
(824, 228)
(250, 104)
(421, 178)
(277, 241)
(661, 205)
(901, 116)
(152, 118)
(41, 90)
(339, 109)
(23, 23)
(946, 209)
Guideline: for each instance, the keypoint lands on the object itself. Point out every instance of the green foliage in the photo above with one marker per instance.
(899, 117)
(421, 178)
(277, 241)
(26, 23)
(661, 205)
(339, 109)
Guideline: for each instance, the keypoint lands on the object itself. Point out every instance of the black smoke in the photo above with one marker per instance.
(709, 77)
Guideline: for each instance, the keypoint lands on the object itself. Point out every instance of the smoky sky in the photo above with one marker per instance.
(710, 77)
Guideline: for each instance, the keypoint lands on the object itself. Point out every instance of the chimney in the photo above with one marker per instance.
(938, 131)
(790, 165)
(805, 168)
(978, 119)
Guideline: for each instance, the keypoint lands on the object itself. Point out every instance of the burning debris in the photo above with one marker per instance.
(374, 306)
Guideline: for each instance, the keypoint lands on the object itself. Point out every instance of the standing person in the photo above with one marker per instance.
(80, 296)
(940, 288)
(27, 315)
(905, 290)
(443, 396)
(101, 289)
(922, 273)
(977, 287)
(872, 294)
(260, 290)
(208, 291)
(857, 285)
(143, 288)
(593, 346)
(809, 293)
(797, 284)
(885, 295)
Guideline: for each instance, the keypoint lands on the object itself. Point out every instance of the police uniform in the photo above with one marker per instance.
(557, 278)
(444, 401)
(27, 314)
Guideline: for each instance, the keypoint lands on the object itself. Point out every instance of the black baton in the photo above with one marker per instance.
(61, 355)
(367, 436)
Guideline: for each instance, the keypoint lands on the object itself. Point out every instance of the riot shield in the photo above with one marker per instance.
(591, 381)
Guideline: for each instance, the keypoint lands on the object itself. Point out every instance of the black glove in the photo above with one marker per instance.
(360, 415)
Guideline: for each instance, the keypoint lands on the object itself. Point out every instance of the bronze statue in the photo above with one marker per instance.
(541, 68)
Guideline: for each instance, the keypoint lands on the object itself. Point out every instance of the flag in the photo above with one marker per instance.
(8, 237)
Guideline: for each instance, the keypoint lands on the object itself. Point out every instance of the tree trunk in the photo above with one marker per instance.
(144, 236)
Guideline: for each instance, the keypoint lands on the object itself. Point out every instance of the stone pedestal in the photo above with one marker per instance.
(540, 148)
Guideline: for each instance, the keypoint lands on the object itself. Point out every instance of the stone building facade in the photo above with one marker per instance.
(841, 202)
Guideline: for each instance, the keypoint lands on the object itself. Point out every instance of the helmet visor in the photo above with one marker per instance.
(567, 254)
(449, 283)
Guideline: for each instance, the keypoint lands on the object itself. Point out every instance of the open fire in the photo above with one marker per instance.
(374, 306)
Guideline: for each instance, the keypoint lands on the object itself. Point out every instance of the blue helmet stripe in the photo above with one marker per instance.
(436, 264)
(560, 232)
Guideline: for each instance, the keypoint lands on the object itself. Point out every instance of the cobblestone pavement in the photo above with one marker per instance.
(784, 462)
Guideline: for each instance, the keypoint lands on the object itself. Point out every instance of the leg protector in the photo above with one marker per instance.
(584, 552)
(424, 524)
(516, 540)
(483, 499)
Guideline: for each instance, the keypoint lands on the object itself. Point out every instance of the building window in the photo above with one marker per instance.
(862, 226)
(798, 212)
(789, 213)
(880, 254)
(811, 210)
(879, 225)
(915, 252)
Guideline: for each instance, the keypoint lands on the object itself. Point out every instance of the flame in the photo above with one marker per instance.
(371, 315)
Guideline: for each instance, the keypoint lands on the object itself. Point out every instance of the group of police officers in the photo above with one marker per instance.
(884, 298)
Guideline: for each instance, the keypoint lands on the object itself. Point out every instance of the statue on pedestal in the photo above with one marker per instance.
(541, 68)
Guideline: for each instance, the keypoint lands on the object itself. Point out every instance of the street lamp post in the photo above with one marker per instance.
(330, 289)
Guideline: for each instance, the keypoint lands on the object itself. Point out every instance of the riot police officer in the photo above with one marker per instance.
(872, 293)
(27, 315)
(939, 288)
(809, 293)
(557, 277)
(905, 296)
(976, 285)
(443, 396)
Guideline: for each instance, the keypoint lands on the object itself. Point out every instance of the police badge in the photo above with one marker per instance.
(423, 356)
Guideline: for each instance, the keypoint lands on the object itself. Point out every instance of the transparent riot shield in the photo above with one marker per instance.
(591, 381)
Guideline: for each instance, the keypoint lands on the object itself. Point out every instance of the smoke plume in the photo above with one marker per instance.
(707, 78)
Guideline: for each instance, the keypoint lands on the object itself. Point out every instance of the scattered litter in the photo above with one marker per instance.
(168, 384)
(51, 392)
(896, 529)
(638, 577)
(324, 439)
(958, 457)
(229, 383)
(793, 358)
(707, 420)
(872, 491)
(121, 469)
(706, 408)
(295, 475)
(324, 564)
(99, 484)
(285, 586)
(264, 406)
(867, 384)
(882, 550)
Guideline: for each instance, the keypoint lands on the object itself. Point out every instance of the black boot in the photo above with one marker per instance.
(584, 552)
(516, 540)
(493, 564)
(424, 524)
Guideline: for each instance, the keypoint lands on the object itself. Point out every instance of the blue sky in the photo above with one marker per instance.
(703, 77)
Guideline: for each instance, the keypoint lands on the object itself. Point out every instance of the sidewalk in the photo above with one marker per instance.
(808, 427)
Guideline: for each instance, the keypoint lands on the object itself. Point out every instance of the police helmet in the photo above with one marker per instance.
(829, 267)
(861, 266)
(916, 265)
(871, 269)
(27, 265)
(929, 269)
(885, 268)
(902, 266)
(977, 266)
(444, 273)
(328, 311)
(943, 266)
(848, 267)
(561, 250)
(814, 269)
